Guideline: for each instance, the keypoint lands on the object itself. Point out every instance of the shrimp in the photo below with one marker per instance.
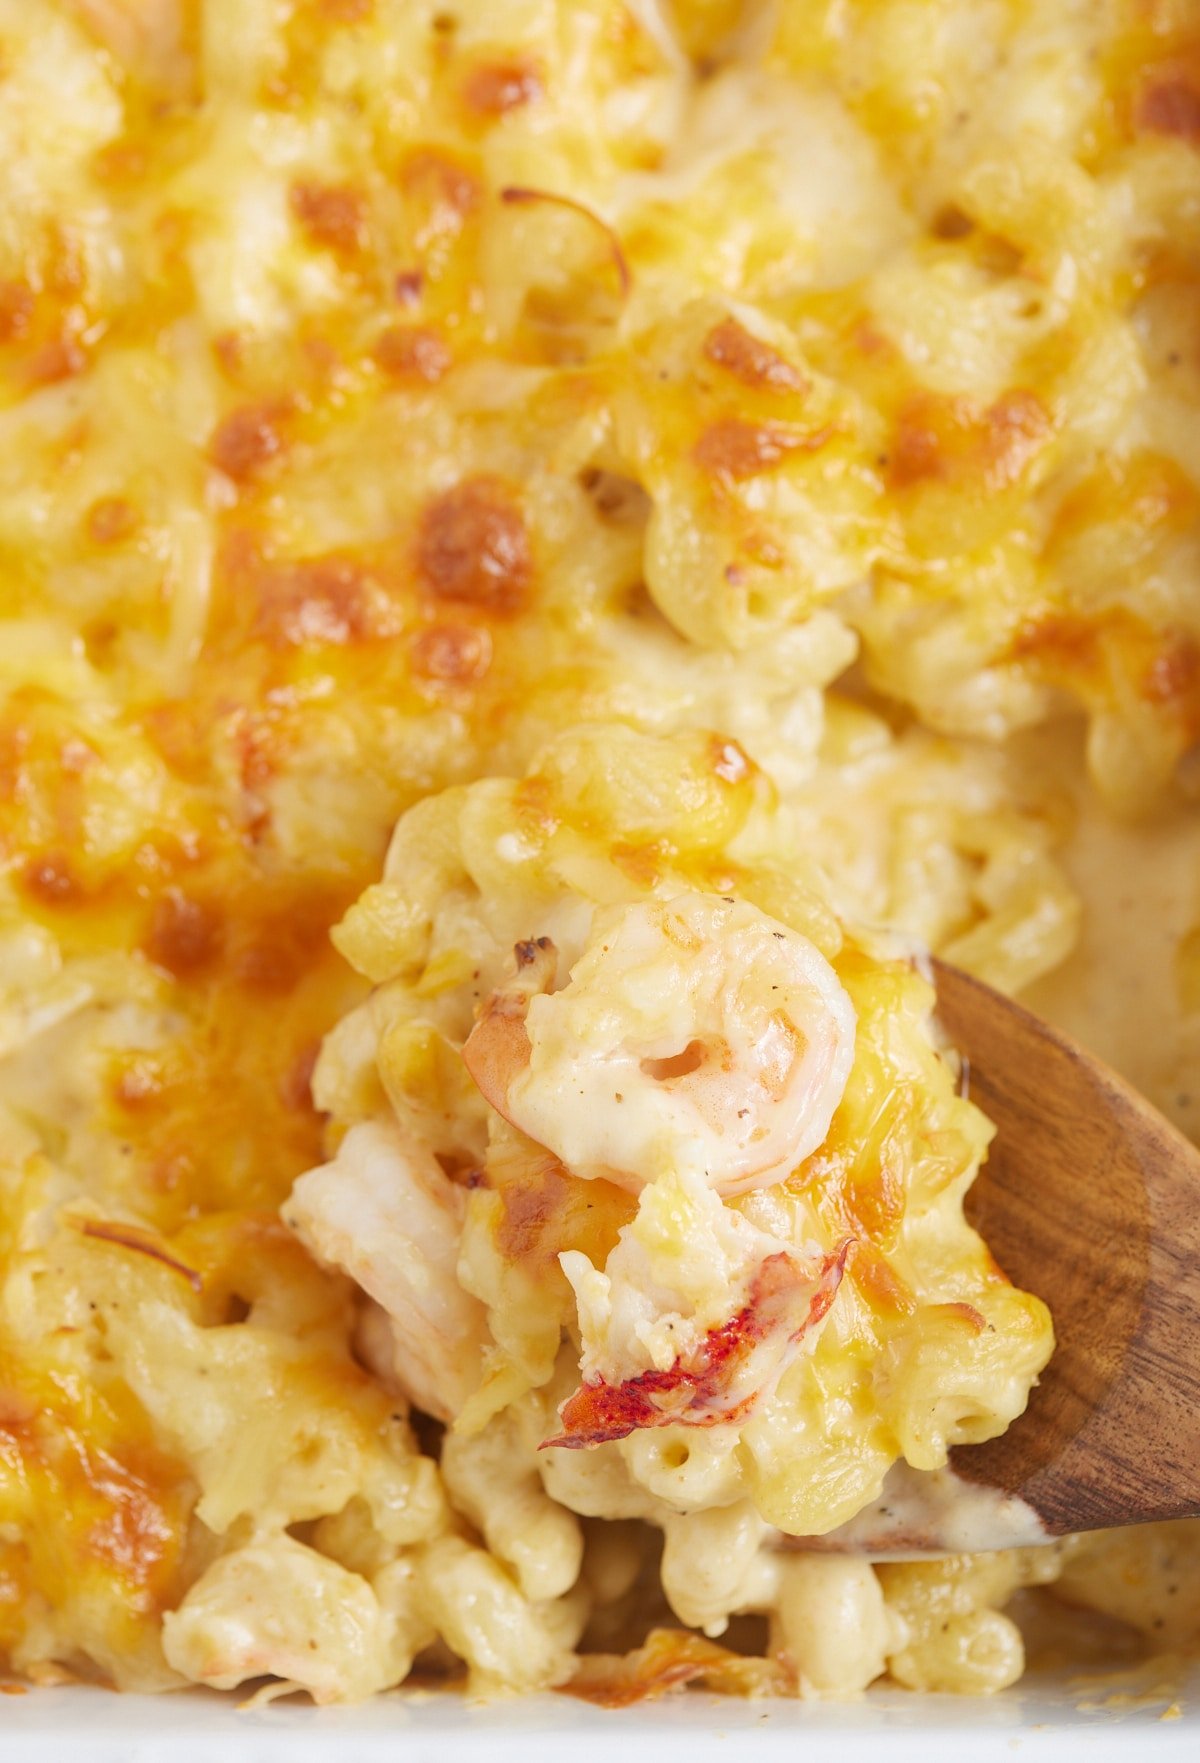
(693, 1032)
(385, 1213)
(662, 1343)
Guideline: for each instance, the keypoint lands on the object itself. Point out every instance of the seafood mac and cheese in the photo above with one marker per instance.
(551, 551)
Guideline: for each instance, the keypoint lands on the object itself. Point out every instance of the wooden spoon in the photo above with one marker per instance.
(1092, 1200)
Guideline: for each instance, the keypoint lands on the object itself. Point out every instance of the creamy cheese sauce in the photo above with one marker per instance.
(934, 1512)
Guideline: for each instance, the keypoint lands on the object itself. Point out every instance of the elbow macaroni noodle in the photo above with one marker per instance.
(549, 553)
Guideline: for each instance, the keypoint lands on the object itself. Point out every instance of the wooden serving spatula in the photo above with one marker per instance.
(1092, 1200)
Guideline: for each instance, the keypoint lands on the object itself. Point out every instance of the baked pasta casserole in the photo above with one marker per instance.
(551, 552)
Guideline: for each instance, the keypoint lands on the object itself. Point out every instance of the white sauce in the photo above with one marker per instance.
(935, 1512)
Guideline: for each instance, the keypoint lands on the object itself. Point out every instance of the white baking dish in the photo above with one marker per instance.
(1148, 1715)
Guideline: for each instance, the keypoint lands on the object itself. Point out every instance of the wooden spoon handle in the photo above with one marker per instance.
(1092, 1200)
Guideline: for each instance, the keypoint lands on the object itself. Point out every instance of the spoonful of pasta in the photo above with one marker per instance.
(1091, 1199)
